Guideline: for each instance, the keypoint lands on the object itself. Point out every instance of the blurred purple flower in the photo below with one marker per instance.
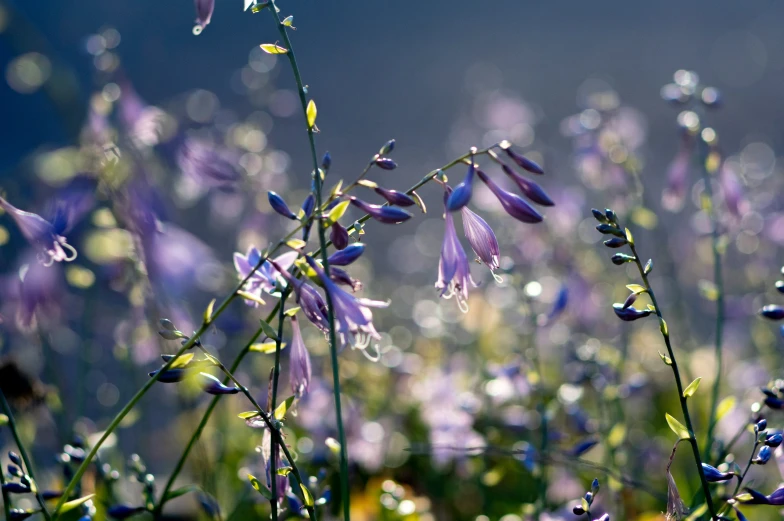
(263, 279)
(342, 277)
(50, 245)
(482, 239)
(71, 204)
(299, 363)
(732, 191)
(677, 177)
(513, 204)
(40, 292)
(454, 274)
(347, 255)
(204, 10)
(142, 122)
(531, 190)
(207, 164)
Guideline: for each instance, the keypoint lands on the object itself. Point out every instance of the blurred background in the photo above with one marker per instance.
(578, 86)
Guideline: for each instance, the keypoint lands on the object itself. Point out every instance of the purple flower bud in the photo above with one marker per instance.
(772, 312)
(387, 148)
(714, 475)
(308, 205)
(774, 440)
(578, 510)
(384, 163)
(615, 242)
(338, 236)
(383, 214)
(279, 205)
(630, 314)
(481, 238)
(531, 190)
(340, 276)
(631, 299)
(523, 162)
(13, 456)
(209, 505)
(513, 204)
(621, 258)
(347, 255)
(299, 363)
(204, 10)
(51, 494)
(18, 514)
(757, 498)
(559, 306)
(583, 446)
(761, 425)
(780, 286)
(395, 197)
(462, 192)
(212, 385)
(326, 161)
(208, 164)
(123, 511)
(607, 229)
(16, 488)
(170, 376)
(763, 456)
(677, 178)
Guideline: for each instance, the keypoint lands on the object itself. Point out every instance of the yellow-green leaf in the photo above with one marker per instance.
(248, 414)
(708, 289)
(266, 347)
(333, 445)
(617, 435)
(698, 513)
(666, 359)
(208, 311)
(271, 333)
(367, 183)
(70, 505)
(337, 212)
(307, 497)
(292, 311)
(288, 21)
(181, 361)
(259, 487)
(636, 288)
(312, 112)
(250, 296)
(419, 201)
(336, 189)
(282, 409)
(725, 406)
(677, 427)
(284, 471)
(273, 48)
(3, 420)
(692, 387)
(629, 236)
(296, 244)
(663, 327)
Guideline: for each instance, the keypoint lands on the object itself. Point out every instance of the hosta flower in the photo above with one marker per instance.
(299, 364)
(482, 239)
(531, 190)
(353, 318)
(207, 164)
(462, 192)
(204, 10)
(347, 255)
(50, 245)
(383, 214)
(757, 498)
(342, 277)
(263, 279)
(309, 299)
(513, 204)
(454, 273)
(630, 314)
(395, 197)
(677, 180)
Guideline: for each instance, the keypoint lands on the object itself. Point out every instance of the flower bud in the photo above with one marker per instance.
(630, 314)
(578, 510)
(326, 161)
(714, 475)
(621, 258)
(16, 488)
(123, 511)
(774, 440)
(763, 456)
(347, 255)
(615, 242)
(342, 277)
(462, 192)
(772, 312)
(395, 197)
(308, 204)
(531, 190)
(780, 286)
(761, 425)
(13, 456)
(599, 216)
(387, 148)
(212, 385)
(630, 300)
(383, 214)
(608, 229)
(338, 236)
(170, 376)
(279, 205)
(523, 162)
(384, 163)
(513, 204)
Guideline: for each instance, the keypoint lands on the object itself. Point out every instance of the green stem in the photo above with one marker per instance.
(273, 405)
(741, 477)
(679, 384)
(718, 282)
(25, 457)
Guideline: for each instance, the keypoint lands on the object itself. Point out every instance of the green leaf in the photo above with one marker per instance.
(284, 471)
(181, 361)
(292, 311)
(266, 347)
(306, 495)
(663, 327)
(208, 312)
(271, 333)
(692, 387)
(296, 244)
(337, 212)
(312, 112)
(677, 427)
(666, 359)
(636, 288)
(250, 296)
(648, 267)
(70, 505)
(725, 406)
(273, 48)
(259, 487)
(336, 189)
(3, 420)
(629, 237)
(248, 414)
(182, 491)
(280, 410)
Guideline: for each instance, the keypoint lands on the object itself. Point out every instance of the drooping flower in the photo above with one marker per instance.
(339, 236)
(45, 238)
(714, 475)
(353, 318)
(395, 197)
(40, 292)
(460, 196)
(630, 314)
(347, 255)
(454, 273)
(207, 164)
(482, 239)
(308, 297)
(513, 204)
(383, 214)
(212, 385)
(522, 161)
(299, 363)
(342, 277)
(204, 10)
(677, 178)
(531, 190)
(757, 498)
(263, 279)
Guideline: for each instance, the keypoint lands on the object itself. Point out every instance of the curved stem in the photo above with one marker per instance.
(678, 383)
(25, 457)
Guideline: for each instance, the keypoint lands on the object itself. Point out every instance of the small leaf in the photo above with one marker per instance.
(271, 333)
(312, 112)
(333, 445)
(708, 290)
(367, 183)
(296, 244)
(648, 267)
(692, 387)
(663, 327)
(616, 436)
(248, 414)
(337, 212)
(629, 237)
(419, 201)
(725, 406)
(182, 491)
(666, 359)
(292, 311)
(70, 505)
(259, 487)
(266, 347)
(3, 420)
(288, 21)
(306, 495)
(181, 361)
(250, 296)
(677, 427)
(636, 288)
(280, 410)
(208, 312)
(336, 189)
(651, 307)
(284, 471)
(273, 48)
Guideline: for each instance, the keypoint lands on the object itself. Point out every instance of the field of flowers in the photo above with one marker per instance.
(204, 314)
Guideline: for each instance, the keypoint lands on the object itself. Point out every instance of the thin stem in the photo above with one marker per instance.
(742, 476)
(718, 282)
(333, 348)
(273, 405)
(6, 495)
(679, 384)
(25, 457)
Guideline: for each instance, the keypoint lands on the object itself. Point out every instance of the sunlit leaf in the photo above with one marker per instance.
(181, 361)
(268, 330)
(288, 21)
(708, 289)
(617, 435)
(259, 487)
(296, 244)
(677, 427)
(292, 311)
(273, 48)
(337, 212)
(248, 414)
(70, 505)
(3, 420)
(636, 288)
(306, 495)
(648, 266)
(692, 387)
(250, 296)
(266, 347)
(280, 410)
(725, 406)
(332, 444)
(208, 312)
(663, 327)
(312, 112)
(284, 471)
(629, 237)
(666, 359)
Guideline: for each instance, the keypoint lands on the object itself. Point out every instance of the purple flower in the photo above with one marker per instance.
(522, 161)
(395, 197)
(677, 176)
(353, 318)
(50, 245)
(454, 273)
(299, 363)
(347, 255)
(482, 239)
(40, 291)
(339, 236)
(531, 190)
(462, 192)
(279, 205)
(207, 164)
(630, 314)
(513, 204)
(384, 163)
(757, 498)
(263, 279)
(383, 214)
(342, 277)
(204, 10)
(282, 481)
(772, 312)
(71, 204)
(714, 475)
(212, 385)
(732, 191)
(311, 301)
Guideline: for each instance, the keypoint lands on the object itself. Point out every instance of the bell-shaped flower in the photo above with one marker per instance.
(513, 204)
(347, 255)
(299, 363)
(482, 239)
(461, 194)
(41, 291)
(353, 318)
(383, 214)
(262, 279)
(309, 299)
(454, 273)
(204, 10)
(41, 234)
